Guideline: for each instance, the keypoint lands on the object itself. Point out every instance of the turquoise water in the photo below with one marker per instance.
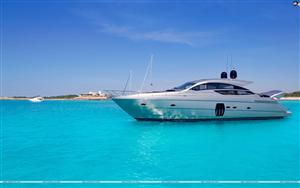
(96, 140)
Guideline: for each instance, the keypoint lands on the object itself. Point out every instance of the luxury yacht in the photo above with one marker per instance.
(207, 99)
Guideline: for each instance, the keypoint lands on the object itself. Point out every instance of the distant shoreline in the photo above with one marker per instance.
(106, 98)
(58, 99)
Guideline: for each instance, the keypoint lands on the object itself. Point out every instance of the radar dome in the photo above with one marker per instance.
(233, 74)
(224, 75)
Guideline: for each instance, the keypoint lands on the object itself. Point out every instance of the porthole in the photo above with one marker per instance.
(172, 105)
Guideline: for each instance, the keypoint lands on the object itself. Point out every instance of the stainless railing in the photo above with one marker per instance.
(118, 93)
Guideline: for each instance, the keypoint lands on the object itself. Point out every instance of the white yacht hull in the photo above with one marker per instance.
(157, 107)
(36, 100)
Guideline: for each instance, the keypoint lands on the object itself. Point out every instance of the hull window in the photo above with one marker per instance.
(220, 109)
(234, 92)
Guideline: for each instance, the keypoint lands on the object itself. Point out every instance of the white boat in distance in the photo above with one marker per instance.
(37, 99)
(207, 99)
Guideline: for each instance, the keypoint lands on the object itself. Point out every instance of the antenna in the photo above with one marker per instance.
(231, 67)
(149, 67)
(227, 63)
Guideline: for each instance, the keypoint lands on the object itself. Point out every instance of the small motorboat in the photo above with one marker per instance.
(36, 99)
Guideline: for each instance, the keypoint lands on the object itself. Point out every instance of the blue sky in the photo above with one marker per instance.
(62, 47)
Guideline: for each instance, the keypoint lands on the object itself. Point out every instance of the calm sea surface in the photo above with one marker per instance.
(96, 140)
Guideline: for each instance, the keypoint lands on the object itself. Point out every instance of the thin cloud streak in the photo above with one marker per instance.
(167, 35)
(135, 33)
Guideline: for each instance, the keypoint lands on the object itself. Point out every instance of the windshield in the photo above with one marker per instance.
(184, 86)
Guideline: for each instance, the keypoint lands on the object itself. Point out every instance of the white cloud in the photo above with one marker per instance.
(166, 35)
(136, 33)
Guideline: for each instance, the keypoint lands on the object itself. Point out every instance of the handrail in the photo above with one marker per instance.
(118, 93)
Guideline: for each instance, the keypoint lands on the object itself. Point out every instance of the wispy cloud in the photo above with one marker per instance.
(136, 33)
(165, 35)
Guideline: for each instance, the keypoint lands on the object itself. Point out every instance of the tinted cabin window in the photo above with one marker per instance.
(203, 86)
(227, 92)
(212, 85)
(237, 87)
(224, 89)
(225, 86)
(184, 86)
(222, 86)
(244, 92)
(218, 86)
(215, 86)
(199, 87)
(234, 92)
(196, 88)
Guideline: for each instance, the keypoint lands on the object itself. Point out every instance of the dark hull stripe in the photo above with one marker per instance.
(209, 119)
(255, 101)
(171, 108)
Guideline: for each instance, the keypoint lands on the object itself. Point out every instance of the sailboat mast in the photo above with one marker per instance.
(148, 70)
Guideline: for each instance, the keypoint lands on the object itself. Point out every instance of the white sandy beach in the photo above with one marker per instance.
(290, 98)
